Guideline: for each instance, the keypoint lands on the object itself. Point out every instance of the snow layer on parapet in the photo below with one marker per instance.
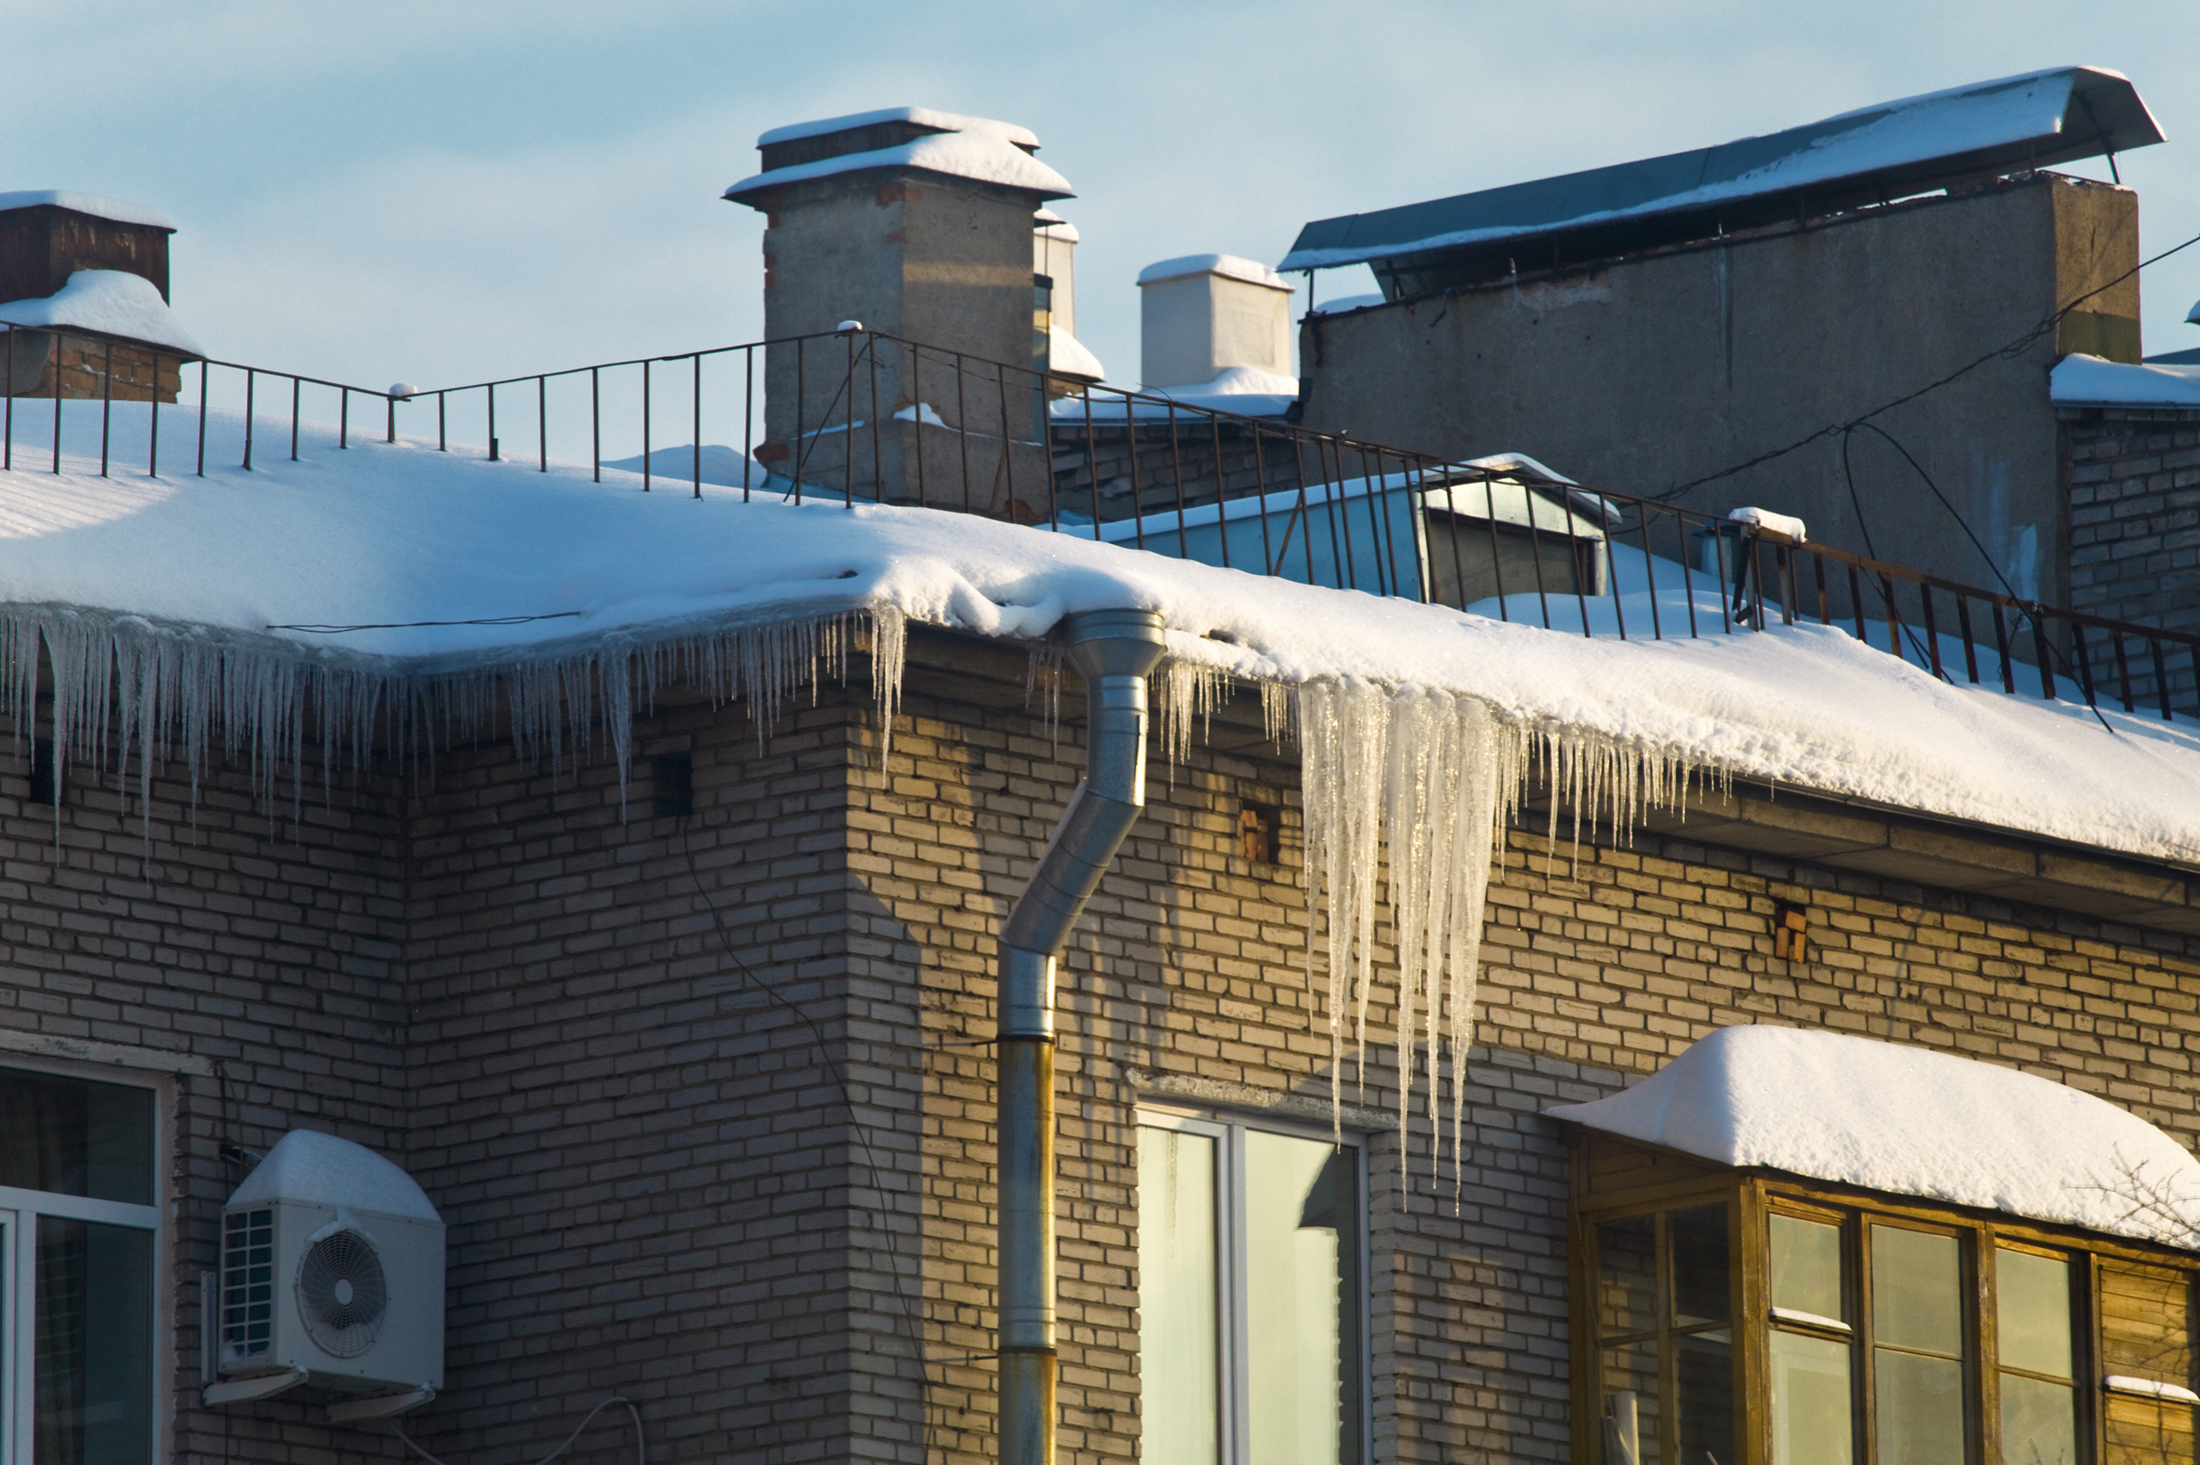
(386, 536)
(2079, 380)
(984, 156)
(1909, 1122)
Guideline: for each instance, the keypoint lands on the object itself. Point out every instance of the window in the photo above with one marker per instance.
(1251, 1301)
(78, 1227)
(1728, 1318)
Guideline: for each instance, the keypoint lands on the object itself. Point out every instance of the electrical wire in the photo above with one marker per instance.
(2008, 352)
(641, 1447)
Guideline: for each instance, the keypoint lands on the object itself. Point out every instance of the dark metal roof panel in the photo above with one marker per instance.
(1895, 148)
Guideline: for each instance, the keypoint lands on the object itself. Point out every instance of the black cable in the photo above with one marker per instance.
(641, 1448)
(2031, 607)
(2011, 351)
(912, 1315)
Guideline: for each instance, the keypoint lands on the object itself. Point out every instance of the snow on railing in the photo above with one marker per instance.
(860, 415)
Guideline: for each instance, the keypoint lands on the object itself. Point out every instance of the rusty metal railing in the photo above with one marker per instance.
(858, 416)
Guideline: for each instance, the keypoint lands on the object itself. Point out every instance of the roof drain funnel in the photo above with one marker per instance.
(1115, 649)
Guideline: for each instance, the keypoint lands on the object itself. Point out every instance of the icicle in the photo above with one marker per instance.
(889, 657)
(1190, 693)
(171, 690)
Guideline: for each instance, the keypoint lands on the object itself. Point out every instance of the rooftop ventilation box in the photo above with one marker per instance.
(331, 1272)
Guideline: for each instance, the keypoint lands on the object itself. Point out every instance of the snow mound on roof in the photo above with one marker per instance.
(983, 156)
(923, 116)
(1230, 266)
(116, 209)
(112, 302)
(384, 537)
(1906, 1121)
(322, 1170)
(2079, 380)
(1344, 303)
(1071, 357)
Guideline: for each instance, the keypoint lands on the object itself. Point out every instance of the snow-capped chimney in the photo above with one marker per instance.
(98, 268)
(917, 223)
(1054, 257)
(1204, 314)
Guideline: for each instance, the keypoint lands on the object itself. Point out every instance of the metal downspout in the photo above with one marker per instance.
(1115, 649)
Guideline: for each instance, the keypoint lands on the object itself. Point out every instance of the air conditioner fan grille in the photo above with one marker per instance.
(342, 1294)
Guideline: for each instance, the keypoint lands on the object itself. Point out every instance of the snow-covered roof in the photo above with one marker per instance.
(1229, 266)
(383, 536)
(113, 302)
(1345, 303)
(119, 210)
(320, 1169)
(2079, 380)
(1907, 1121)
(1069, 356)
(984, 150)
(1890, 150)
(921, 116)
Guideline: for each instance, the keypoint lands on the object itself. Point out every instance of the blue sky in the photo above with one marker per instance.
(444, 191)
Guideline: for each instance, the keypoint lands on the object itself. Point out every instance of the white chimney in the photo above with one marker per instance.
(1205, 314)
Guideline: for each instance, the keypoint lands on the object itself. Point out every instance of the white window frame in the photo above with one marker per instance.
(1228, 1131)
(20, 1210)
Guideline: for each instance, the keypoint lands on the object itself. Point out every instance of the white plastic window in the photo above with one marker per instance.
(79, 1228)
(1251, 1256)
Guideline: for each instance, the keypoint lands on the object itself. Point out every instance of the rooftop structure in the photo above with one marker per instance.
(1873, 155)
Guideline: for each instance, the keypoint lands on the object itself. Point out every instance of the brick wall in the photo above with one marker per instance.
(596, 1040)
(2135, 515)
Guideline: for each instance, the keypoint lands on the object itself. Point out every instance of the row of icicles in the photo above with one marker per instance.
(1417, 782)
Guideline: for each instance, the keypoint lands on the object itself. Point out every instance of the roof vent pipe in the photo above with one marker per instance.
(1114, 649)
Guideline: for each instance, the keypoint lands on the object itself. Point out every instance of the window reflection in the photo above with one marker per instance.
(2038, 1403)
(1301, 1248)
(1177, 1338)
(94, 1371)
(1917, 1354)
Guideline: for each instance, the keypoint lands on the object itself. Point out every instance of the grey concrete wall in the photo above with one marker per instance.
(1649, 373)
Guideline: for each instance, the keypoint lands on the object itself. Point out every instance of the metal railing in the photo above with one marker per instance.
(863, 416)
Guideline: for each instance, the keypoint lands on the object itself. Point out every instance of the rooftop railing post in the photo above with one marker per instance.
(696, 417)
(799, 386)
(878, 452)
(962, 425)
(595, 425)
(1222, 489)
(249, 385)
(916, 418)
(57, 403)
(1963, 625)
(1260, 496)
(2001, 648)
(7, 438)
(106, 404)
(1528, 496)
(748, 416)
(389, 434)
(1650, 580)
(1176, 470)
(848, 444)
(1008, 455)
(1130, 447)
(542, 424)
(442, 425)
(1497, 548)
(1688, 570)
(493, 444)
(343, 417)
(294, 387)
(1092, 462)
(2161, 676)
(202, 417)
(647, 466)
(152, 444)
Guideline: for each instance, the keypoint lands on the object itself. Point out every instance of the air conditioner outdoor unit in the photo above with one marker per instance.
(331, 1274)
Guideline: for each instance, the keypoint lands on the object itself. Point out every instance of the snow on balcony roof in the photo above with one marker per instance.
(380, 536)
(1890, 150)
(2079, 380)
(1229, 266)
(112, 302)
(922, 116)
(988, 157)
(1906, 1121)
(118, 210)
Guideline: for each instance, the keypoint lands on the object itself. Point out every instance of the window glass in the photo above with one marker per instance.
(74, 1137)
(1806, 1267)
(1810, 1400)
(1701, 1266)
(2032, 1311)
(1301, 1300)
(1631, 1405)
(2038, 1422)
(1177, 1333)
(1917, 1291)
(1703, 1396)
(1627, 1276)
(1917, 1354)
(93, 1381)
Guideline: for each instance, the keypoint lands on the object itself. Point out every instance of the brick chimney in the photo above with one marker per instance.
(918, 224)
(72, 260)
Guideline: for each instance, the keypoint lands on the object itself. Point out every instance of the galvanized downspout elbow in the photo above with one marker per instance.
(1115, 649)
